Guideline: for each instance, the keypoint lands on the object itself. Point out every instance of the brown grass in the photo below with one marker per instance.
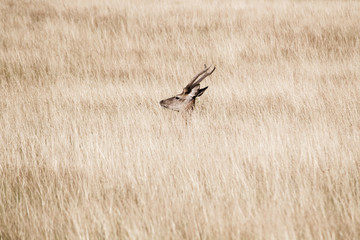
(271, 151)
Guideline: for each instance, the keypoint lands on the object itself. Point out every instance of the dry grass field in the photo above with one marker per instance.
(272, 149)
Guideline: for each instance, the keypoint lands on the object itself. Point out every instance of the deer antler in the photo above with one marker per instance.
(190, 84)
(204, 76)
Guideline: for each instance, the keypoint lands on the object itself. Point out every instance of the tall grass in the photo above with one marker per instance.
(270, 152)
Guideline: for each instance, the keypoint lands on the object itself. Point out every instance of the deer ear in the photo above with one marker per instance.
(201, 91)
(194, 91)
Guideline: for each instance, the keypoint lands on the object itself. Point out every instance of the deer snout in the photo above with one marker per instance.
(162, 103)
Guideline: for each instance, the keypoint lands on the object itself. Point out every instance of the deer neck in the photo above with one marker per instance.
(190, 106)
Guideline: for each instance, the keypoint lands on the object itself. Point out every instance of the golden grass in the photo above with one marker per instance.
(271, 150)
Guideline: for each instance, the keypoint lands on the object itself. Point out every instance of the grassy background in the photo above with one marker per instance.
(271, 151)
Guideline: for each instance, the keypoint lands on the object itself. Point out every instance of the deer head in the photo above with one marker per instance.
(185, 101)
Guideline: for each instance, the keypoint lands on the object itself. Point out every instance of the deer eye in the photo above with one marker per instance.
(177, 97)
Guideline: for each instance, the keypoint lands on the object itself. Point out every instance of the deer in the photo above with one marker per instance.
(185, 101)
